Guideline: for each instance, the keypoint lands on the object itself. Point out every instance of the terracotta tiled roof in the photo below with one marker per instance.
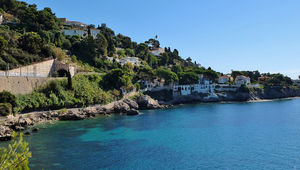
(224, 77)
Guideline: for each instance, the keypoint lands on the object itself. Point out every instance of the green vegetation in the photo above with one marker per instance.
(57, 94)
(16, 155)
(5, 109)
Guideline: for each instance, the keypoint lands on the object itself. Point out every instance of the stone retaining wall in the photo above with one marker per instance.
(22, 85)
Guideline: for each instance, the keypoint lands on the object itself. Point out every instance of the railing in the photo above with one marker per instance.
(8, 74)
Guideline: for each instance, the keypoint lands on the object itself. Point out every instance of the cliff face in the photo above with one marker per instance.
(253, 94)
(266, 93)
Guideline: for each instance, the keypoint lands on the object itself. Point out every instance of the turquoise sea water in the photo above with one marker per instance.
(264, 135)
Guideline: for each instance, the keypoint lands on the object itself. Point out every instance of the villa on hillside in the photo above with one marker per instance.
(81, 32)
(147, 85)
(203, 86)
(72, 23)
(157, 51)
(223, 79)
(133, 60)
(239, 80)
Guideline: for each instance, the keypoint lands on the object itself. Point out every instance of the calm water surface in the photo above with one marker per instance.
(263, 135)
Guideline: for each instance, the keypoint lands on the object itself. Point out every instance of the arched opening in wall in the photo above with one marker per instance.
(61, 73)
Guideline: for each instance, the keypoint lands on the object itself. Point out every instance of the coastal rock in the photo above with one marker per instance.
(72, 115)
(132, 104)
(5, 133)
(121, 107)
(146, 102)
(27, 133)
(35, 129)
(133, 112)
(25, 122)
(18, 128)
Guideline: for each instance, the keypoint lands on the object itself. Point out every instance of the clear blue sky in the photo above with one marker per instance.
(224, 34)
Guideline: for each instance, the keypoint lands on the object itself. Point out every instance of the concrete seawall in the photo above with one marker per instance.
(22, 85)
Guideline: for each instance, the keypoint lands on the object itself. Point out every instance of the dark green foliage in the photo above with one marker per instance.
(102, 44)
(243, 88)
(164, 59)
(188, 78)
(7, 97)
(3, 44)
(109, 36)
(278, 80)
(5, 109)
(129, 52)
(115, 79)
(142, 51)
(176, 69)
(144, 73)
(66, 44)
(30, 18)
(253, 75)
(153, 42)
(123, 41)
(31, 42)
(168, 75)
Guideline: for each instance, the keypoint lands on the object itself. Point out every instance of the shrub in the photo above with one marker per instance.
(7, 97)
(243, 88)
(5, 109)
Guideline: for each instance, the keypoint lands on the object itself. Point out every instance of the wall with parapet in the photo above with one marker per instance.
(22, 85)
(42, 69)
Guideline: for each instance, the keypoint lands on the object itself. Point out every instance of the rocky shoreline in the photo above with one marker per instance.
(129, 107)
(23, 122)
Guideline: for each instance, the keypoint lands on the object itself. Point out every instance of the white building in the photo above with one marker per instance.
(94, 32)
(203, 86)
(122, 61)
(72, 32)
(72, 23)
(157, 51)
(239, 80)
(223, 79)
(133, 60)
(81, 32)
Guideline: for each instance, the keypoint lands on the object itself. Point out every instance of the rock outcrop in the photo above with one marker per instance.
(146, 102)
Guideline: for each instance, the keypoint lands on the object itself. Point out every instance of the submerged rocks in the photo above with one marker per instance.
(133, 112)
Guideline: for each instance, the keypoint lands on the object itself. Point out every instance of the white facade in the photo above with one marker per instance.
(122, 61)
(81, 32)
(72, 32)
(157, 52)
(223, 79)
(239, 80)
(203, 86)
(94, 32)
(133, 60)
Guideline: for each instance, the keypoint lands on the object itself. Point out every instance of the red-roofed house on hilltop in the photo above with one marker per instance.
(263, 79)
(72, 23)
(239, 80)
